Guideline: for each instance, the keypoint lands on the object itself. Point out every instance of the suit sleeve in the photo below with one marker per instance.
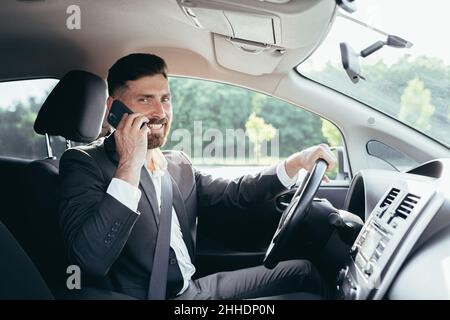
(238, 193)
(94, 224)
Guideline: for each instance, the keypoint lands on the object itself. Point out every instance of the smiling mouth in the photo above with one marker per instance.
(156, 128)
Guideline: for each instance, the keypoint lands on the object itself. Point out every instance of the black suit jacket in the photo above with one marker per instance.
(113, 245)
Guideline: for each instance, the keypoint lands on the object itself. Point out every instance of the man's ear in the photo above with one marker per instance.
(109, 102)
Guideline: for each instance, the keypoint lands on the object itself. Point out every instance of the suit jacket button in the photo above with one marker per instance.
(108, 240)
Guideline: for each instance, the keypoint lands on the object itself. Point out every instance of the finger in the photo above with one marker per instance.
(329, 152)
(326, 179)
(332, 156)
(139, 121)
(130, 120)
(329, 158)
(122, 121)
(142, 132)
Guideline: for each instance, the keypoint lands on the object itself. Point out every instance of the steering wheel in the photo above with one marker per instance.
(295, 214)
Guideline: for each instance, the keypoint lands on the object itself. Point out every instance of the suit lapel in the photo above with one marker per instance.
(110, 148)
(148, 189)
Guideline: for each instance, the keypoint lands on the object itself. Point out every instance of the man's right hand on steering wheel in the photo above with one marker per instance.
(307, 158)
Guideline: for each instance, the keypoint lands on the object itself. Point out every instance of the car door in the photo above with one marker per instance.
(228, 132)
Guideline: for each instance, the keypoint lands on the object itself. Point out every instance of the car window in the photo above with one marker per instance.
(398, 160)
(20, 102)
(409, 84)
(229, 131)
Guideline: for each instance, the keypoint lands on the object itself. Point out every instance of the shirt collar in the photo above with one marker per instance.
(157, 157)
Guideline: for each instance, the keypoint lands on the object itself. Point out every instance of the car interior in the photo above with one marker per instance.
(370, 231)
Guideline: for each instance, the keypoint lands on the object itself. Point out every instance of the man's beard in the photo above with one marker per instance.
(156, 140)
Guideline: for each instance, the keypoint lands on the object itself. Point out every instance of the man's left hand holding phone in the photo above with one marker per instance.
(131, 137)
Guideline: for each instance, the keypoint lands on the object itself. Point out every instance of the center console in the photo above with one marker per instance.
(384, 242)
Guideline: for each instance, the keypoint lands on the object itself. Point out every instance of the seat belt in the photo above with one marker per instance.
(158, 278)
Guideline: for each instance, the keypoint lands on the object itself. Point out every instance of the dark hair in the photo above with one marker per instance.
(133, 67)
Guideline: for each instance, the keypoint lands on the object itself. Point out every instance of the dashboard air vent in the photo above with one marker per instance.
(390, 197)
(386, 203)
(406, 206)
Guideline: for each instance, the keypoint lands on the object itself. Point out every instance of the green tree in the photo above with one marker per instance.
(385, 86)
(17, 136)
(214, 105)
(331, 133)
(258, 100)
(221, 106)
(415, 107)
(298, 128)
(258, 132)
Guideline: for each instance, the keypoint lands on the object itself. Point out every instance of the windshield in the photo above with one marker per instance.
(409, 84)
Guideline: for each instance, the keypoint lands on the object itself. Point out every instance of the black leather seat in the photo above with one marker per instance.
(11, 195)
(74, 110)
(19, 278)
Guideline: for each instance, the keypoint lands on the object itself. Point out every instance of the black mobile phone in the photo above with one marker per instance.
(118, 109)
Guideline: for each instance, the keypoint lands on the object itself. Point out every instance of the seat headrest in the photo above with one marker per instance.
(75, 108)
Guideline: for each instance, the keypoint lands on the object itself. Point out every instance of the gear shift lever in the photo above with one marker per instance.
(347, 224)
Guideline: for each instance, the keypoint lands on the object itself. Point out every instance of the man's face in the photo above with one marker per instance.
(150, 96)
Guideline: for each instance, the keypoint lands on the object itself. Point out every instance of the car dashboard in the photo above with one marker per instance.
(402, 251)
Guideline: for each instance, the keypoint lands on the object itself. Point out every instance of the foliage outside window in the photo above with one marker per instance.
(411, 85)
(217, 125)
(243, 125)
(20, 102)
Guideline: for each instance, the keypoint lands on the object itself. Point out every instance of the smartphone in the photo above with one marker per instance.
(118, 109)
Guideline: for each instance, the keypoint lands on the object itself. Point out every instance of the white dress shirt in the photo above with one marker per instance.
(129, 196)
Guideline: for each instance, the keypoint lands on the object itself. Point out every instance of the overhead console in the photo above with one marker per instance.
(246, 30)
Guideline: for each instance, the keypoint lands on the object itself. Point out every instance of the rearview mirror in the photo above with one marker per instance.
(350, 62)
(347, 5)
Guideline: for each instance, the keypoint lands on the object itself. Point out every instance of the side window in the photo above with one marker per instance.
(229, 131)
(20, 102)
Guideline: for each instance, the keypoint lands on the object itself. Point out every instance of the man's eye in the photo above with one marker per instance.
(166, 99)
(144, 100)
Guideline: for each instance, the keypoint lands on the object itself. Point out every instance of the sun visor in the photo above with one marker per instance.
(252, 36)
(264, 29)
(250, 58)
(251, 26)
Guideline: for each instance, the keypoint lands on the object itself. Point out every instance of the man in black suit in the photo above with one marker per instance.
(111, 194)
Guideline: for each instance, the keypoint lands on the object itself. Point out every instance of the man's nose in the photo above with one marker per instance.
(157, 112)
